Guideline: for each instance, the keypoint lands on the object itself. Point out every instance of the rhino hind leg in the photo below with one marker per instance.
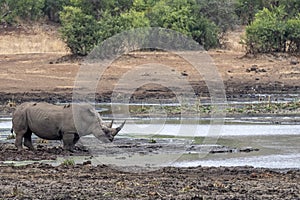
(27, 140)
(19, 140)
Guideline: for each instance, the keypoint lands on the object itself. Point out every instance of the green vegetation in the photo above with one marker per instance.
(68, 162)
(11, 137)
(259, 108)
(273, 25)
(152, 141)
(84, 27)
(273, 31)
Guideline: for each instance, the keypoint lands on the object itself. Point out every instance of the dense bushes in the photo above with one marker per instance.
(273, 25)
(79, 30)
(180, 15)
(11, 11)
(293, 34)
(246, 9)
(273, 31)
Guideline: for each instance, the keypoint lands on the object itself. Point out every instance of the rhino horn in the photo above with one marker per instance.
(109, 125)
(119, 128)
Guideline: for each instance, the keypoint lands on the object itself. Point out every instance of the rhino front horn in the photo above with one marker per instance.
(120, 127)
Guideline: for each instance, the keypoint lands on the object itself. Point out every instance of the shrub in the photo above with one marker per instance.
(268, 32)
(293, 34)
(183, 16)
(205, 33)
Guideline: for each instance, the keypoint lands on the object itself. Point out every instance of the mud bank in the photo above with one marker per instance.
(86, 181)
(42, 181)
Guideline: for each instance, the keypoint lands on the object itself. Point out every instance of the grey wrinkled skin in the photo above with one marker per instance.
(52, 122)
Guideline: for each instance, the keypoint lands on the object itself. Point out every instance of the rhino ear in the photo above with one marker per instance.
(92, 112)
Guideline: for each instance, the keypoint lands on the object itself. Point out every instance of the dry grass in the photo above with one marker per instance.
(233, 40)
(37, 40)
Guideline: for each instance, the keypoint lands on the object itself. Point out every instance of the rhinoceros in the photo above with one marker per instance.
(52, 122)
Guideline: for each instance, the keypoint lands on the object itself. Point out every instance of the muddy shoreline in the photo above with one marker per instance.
(233, 92)
(69, 180)
(42, 181)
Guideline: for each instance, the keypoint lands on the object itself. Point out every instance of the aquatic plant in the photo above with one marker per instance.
(251, 108)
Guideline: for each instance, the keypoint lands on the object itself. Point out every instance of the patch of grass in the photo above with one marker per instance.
(68, 162)
(152, 141)
(198, 140)
(11, 137)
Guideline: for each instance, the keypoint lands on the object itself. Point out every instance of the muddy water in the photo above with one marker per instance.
(174, 144)
(275, 151)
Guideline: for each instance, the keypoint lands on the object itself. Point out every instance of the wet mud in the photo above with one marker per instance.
(8, 152)
(126, 147)
(84, 181)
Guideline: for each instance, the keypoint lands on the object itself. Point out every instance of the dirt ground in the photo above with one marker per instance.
(32, 76)
(49, 75)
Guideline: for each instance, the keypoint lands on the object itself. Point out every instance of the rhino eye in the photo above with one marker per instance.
(107, 132)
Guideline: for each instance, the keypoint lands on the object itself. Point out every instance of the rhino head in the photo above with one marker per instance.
(88, 121)
(110, 132)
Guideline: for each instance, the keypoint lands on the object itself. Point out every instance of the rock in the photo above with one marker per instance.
(184, 73)
(294, 62)
(262, 70)
(254, 68)
(88, 162)
(248, 149)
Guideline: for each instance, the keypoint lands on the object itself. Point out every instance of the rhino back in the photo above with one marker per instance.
(45, 120)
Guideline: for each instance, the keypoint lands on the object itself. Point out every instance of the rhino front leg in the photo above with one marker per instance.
(27, 140)
(69, 141)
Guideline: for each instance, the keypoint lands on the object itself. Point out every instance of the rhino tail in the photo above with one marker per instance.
(11, 130)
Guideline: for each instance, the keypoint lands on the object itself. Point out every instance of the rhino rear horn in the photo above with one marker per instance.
(119, 128)
(109, 125)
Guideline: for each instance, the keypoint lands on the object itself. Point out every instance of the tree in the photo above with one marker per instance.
(221, 12)
(181, 16)
(28, 9)
(52, 8)
(246, 10)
